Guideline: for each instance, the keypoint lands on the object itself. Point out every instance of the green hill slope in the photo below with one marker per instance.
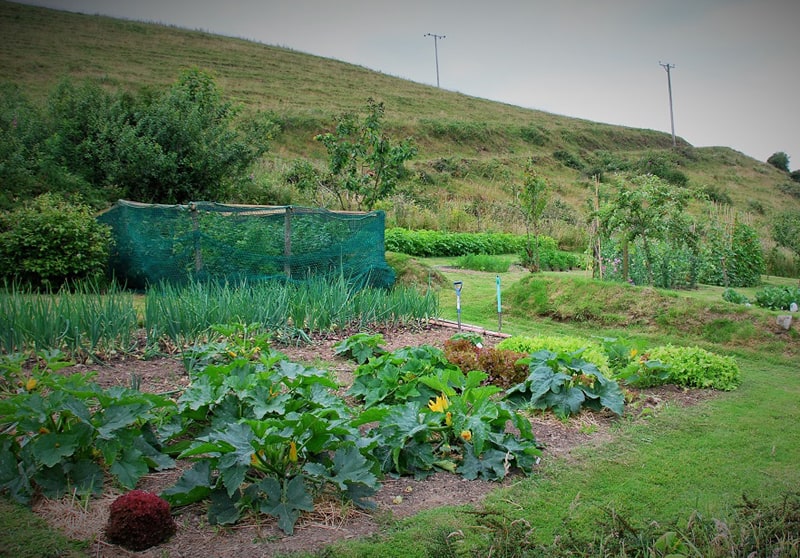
(470, 149)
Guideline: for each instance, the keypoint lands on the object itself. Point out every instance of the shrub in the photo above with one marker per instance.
(139, 520)
(565, 384)
(50, 241)
(589, 350)
(568, 159)
(777, 298)
(729, 295)
(696, 367)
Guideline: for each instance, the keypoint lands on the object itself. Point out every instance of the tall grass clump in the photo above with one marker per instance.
(84, 320)
(183, 313)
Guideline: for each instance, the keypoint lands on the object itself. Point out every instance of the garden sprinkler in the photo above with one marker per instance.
(458, 285)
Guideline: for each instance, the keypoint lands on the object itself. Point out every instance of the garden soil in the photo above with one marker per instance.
(331, 521)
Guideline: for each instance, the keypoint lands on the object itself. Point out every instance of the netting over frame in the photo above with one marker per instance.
(216, 242)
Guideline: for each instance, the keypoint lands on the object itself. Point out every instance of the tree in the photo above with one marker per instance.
(779, 160)
(364, 164)
(169, 146)
(532, 200)
(648, 209)
(183, 145)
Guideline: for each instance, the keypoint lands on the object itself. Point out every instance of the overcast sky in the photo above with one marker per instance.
(735, 80)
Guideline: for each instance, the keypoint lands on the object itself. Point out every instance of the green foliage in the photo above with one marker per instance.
(183, 147)
(777, 298)
(360, 347)
(790, 189)
(699, 368)
(647, 210)
(531, 200)
(162, 147)
(731, 256)
(274, 434)
(786, 231)
(729, 295)
(553, 260)
(779, 160)
(392, 378)
(565, 383)
(363, 163)
(82, 320)
(483, 262)
(662, 164)
(428, 243)
(61, 433)
(49, 242)
(589, 350)
(461, 430)
(568, 159)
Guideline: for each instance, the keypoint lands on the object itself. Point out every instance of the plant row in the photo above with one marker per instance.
(773, 298)
(267, 435)
(90, 322)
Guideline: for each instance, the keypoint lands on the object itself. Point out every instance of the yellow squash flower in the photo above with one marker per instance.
(448, 418)
(292, 452)
(439, 405)
(30, 385)
(467, 435)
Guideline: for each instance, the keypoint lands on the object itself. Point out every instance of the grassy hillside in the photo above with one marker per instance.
(470, 149)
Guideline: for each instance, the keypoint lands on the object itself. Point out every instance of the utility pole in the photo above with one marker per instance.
(667, 67)
(436, 52)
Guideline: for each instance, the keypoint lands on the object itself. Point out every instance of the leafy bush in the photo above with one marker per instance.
(138, 520)
(729, 295)
(50, 242)
(777, 298)
(696, 367)
(568, 159)
(565, 383)
(589, 350)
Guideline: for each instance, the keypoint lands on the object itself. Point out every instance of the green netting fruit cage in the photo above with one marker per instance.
(205, 241)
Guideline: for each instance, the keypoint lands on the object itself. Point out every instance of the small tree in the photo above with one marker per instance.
(364, 165)
(531, 200)
(779, 160)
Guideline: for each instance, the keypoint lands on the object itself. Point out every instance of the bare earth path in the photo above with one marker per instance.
(331, 521)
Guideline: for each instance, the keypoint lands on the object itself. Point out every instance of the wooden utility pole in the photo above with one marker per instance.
(667, 67)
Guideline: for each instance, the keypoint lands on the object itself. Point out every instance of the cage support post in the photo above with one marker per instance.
(287, 242)
(198, 252)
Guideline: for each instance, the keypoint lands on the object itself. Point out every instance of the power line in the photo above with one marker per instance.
(668, 67)
(436, 52)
